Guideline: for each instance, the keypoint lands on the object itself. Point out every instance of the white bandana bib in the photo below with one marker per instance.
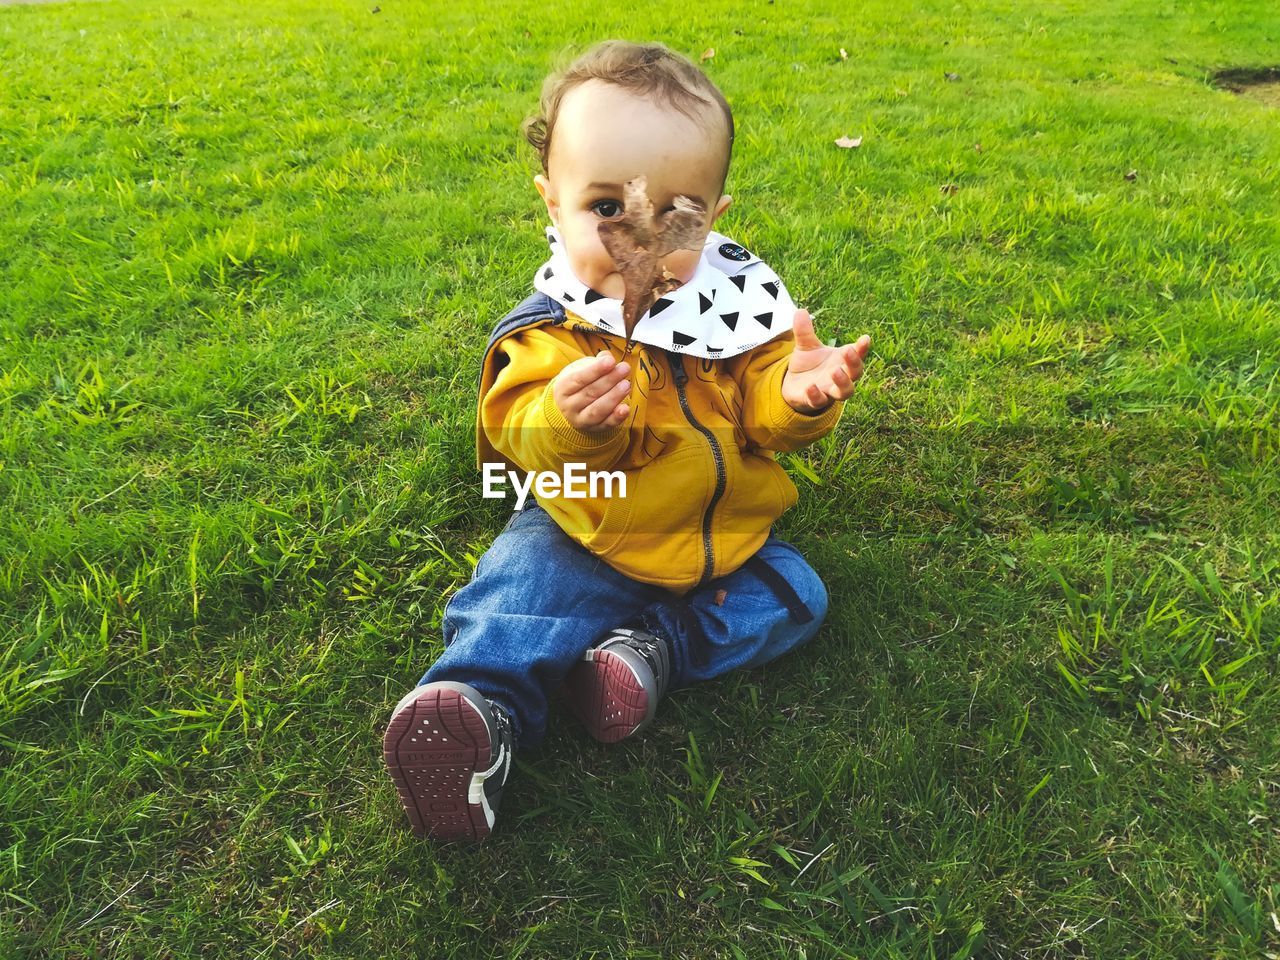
(733, 303)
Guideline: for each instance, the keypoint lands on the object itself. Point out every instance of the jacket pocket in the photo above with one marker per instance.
(655, 532)
(759, 492)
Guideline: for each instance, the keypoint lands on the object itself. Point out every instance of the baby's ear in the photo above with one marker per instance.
(721, 207)
(549, 198)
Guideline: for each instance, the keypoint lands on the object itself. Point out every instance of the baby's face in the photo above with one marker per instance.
(605, 136)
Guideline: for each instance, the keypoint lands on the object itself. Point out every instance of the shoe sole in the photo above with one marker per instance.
(438, 748)
(605, 690)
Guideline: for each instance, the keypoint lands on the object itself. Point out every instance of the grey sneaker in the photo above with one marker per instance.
(449, 749)
(615, 688)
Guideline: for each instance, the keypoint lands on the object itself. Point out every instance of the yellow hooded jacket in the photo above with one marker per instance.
(697, 448)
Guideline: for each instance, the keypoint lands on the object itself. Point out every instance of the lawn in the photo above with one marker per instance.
(249, 257)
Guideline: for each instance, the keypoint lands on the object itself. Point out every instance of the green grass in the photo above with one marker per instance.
(249, 254)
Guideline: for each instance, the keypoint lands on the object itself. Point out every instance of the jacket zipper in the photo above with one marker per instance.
(676, 365)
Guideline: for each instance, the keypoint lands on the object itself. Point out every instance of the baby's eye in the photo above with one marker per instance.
(607, 208)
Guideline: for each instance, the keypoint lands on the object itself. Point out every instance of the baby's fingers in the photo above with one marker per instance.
(852, 357)
(843, 382)
(587, 379)
(617, 417)
(603, 411)
(583, 371)
(815, 396)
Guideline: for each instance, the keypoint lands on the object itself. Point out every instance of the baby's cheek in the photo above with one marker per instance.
(595, 268)
(682, 264)
(588, 247)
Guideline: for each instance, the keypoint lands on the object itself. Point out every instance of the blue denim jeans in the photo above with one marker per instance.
(537, 600)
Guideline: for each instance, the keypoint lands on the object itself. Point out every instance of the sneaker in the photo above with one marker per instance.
(448, 749)
(615, 688)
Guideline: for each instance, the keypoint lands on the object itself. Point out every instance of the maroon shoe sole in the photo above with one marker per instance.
(607, 696)
(436, 744)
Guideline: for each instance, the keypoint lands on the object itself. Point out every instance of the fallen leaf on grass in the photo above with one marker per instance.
(849, 143)
(977, 147)
(1131, 175)
(707, 54)
(638, 241)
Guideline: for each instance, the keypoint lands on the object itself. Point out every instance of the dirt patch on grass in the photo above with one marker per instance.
(1256, 83)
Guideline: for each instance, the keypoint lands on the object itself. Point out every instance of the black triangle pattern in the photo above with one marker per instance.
(706, 303)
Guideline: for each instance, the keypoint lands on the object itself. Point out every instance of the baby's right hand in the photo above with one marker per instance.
(590, 390)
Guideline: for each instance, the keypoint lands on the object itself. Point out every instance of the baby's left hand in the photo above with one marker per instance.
(818, 374)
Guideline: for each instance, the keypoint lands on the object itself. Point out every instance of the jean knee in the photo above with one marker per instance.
(815, 595)
(808, 586)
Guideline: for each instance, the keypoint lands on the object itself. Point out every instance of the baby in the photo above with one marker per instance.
(671, 574)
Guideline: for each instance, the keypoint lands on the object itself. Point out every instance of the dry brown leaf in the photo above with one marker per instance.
(849, 143)
(637, 243)
(707, 54)
(720, 597)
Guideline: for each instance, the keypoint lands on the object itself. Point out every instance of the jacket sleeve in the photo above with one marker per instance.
(519, 415)
(768, 420)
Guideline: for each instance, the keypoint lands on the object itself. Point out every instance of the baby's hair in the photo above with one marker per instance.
(650, 69)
